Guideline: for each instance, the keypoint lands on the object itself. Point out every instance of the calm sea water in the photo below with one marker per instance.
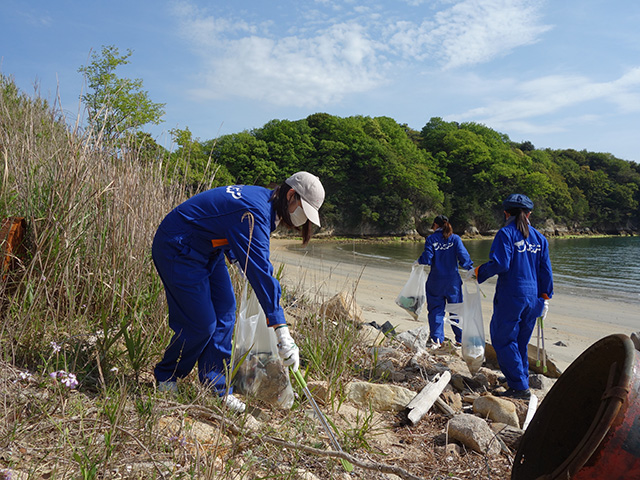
(601, 267)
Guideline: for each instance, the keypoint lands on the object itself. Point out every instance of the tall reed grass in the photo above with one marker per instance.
(83, 319)
(91, 216)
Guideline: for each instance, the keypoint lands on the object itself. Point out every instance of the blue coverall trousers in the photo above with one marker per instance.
(202, 308)
(441, 291)
(512, 324)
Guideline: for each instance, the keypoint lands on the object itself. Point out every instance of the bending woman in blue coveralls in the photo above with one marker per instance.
(189, 251)
(443, 250)
(520, 257)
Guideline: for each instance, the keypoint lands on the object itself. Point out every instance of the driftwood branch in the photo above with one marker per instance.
(378, 467)
(422, 403)
(210, 415)
(105, 424)
(445, 408)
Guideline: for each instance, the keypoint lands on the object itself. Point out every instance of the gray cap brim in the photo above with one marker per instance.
(310, 212)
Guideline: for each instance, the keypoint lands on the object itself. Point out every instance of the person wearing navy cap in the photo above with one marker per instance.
(443, 251)
(189, 251)
(519, 256)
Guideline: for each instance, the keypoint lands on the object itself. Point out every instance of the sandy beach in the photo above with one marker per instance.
(573, 323)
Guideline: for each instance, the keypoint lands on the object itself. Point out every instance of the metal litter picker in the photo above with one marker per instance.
(334, 442)
(544, 353)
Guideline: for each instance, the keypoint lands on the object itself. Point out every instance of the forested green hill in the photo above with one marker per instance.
(382, 177)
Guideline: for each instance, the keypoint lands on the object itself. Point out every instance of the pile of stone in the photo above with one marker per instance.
(478, 419)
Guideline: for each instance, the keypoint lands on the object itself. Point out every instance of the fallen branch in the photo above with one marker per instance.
(422, 403)
(209, 415)
(97, 421)
(375, 466)
(444, 408)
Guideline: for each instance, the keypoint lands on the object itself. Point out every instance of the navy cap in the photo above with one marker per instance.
(517, 200)
(440, 220)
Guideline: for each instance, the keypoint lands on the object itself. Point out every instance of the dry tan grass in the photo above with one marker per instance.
(87, 279)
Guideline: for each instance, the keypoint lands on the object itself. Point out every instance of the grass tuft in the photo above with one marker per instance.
(83, 322)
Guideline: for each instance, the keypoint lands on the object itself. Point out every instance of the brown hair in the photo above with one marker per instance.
(443, 222)
(281, 204)
(522, 222)
(447, 230)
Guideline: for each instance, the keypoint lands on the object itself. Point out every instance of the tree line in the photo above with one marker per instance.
(381, 177)
(384, 178)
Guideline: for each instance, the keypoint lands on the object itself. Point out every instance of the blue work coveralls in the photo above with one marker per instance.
(189, 251)
(524, 277)
(444, 282)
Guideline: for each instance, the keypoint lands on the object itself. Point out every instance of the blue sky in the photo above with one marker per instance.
(561, 74)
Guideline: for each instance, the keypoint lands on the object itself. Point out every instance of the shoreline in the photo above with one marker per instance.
(419, 238)
(573, 324)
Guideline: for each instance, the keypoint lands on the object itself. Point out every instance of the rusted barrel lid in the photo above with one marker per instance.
(588, 425)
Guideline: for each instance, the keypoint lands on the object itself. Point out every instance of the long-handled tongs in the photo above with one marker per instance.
(540, 323)
(334, 441)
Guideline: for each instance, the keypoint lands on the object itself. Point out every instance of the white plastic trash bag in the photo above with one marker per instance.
(413, 295)
(455, 312)
(259, 369)
(473, 337)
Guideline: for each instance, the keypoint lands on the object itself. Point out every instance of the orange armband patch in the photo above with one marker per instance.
(219, 242)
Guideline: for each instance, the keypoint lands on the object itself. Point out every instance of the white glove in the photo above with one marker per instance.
(470, 275)
(545, 309)
(287, 348)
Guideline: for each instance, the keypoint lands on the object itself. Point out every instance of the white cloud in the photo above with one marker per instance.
(627, 91)
(35, 18)
(476, 31)
(295, 71)
(556, 94)
(209, 32)
(415, 3)
(319, 63)
(291, 70)
(470, 31)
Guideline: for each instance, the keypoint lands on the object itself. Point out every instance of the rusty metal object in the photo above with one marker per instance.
(588, 426)
(11, 235)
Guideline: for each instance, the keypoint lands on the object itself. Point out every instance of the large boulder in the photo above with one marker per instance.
(474, 433)
(497, 409)
(342, 306)
(382, 398)
(552, 369)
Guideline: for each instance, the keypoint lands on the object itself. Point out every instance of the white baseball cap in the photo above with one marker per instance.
(311, 193)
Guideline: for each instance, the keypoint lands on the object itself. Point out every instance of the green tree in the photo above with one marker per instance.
(289, 143)
(374, 174)
(143, 147)
(433, 133)
(192, 163)
(381, 177)
(247, 159)
(480, 167)
(116, 105)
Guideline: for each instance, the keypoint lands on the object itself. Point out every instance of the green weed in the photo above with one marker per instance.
(85, 305)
